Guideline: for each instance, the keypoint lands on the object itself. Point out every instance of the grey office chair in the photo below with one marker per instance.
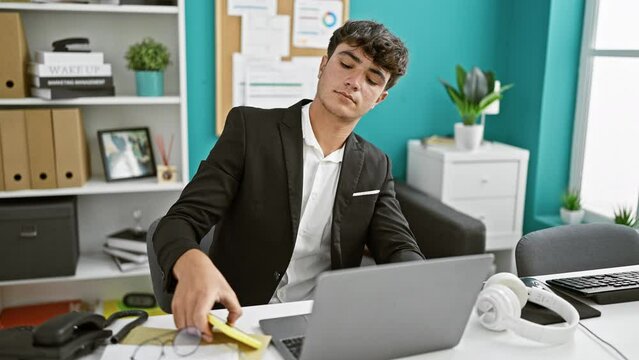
(162, 297)
(575, 248)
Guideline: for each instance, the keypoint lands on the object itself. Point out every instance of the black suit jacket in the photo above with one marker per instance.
(250, 187)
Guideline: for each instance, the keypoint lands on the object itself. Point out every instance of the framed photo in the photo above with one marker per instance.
(126, 153)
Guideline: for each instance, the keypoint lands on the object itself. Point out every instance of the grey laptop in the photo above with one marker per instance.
(385, 311)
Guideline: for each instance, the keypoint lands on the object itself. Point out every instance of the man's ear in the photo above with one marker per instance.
(322, 66)
(381, 98)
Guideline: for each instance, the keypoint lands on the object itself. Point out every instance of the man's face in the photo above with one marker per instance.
(350, 84)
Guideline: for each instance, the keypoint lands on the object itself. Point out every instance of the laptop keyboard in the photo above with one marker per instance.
(294, 345)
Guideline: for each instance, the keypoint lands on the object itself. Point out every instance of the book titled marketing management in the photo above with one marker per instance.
(47, 82)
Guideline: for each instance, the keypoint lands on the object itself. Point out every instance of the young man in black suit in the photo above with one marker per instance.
(292, 192)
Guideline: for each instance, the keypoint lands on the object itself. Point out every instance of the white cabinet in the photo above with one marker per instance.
(488, 184)
(105, 207)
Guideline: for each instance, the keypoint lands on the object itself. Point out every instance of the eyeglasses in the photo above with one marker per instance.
(185, 343)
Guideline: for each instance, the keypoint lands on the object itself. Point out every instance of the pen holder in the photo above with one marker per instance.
(166, 173)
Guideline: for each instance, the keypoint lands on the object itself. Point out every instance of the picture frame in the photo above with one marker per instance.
(127, 153)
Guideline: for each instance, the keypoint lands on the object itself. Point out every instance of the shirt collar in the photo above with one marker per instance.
(309, 137)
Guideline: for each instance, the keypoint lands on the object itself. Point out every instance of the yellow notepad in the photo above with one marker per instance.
(233, 333)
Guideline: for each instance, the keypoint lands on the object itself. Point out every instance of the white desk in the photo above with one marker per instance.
(618, 324)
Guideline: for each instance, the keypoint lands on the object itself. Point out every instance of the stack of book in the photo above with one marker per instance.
(64, 75)
(128, 249)
(36, 314)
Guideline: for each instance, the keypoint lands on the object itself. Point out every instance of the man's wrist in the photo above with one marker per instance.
(188, 258)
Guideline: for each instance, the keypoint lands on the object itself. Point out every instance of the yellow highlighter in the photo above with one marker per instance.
(233, 333)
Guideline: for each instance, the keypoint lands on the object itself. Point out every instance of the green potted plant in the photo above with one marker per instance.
(571, 211)
(475, 92)
(624, 216)
(148, 59)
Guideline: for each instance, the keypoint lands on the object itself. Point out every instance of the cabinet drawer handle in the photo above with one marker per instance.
(29, 232)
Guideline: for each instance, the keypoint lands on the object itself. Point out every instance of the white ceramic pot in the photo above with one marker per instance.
(571, 217)
(468, 137)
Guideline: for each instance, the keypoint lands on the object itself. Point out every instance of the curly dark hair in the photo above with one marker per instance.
(386, 49)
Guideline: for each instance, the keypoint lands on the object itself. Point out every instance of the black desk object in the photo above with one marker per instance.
(544, 316)
(604, 288)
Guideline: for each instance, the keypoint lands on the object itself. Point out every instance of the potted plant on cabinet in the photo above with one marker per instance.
(624, 216)
(475, 92)
(571, 211)
(148, 59)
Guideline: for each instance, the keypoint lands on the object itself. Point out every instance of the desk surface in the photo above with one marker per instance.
(618, 324)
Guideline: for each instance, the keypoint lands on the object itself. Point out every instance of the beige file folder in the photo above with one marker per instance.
(15, 155)
(14, 58)
(71, 153)
(1, 171)
(41, 151)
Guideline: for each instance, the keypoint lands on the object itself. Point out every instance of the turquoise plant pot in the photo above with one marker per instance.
(149, 83)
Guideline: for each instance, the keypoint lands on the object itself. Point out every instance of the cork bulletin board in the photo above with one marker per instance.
(228, 41)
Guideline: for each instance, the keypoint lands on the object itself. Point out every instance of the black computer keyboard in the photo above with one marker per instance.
(603, 289)
(294, 345)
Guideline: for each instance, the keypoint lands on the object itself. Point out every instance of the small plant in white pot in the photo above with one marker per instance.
(475, 92)
(624, 216)
(571, 211)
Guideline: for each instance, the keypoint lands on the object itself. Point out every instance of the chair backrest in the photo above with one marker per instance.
(576, 248)
(440, 230)
(162, 297)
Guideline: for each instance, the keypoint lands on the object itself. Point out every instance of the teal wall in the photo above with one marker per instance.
(532, 43)
(540, 54)
(558, 110)
(200, 67)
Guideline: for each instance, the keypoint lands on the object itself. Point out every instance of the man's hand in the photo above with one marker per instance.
(200, 285)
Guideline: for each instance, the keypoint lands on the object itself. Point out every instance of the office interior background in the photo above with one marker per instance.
(536, 45)
(533, 44)
(571, 108)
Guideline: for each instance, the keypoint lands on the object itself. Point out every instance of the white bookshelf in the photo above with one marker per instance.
(96, 8)
(97, 187)
(106, 100)
(106, 207)
(91, 266)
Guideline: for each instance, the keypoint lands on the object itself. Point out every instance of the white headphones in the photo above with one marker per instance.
(504, 295)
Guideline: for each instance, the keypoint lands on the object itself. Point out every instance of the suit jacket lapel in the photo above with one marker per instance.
(352, 164)
(291, 136)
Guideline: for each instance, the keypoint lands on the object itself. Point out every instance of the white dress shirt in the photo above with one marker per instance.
(312, 252)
